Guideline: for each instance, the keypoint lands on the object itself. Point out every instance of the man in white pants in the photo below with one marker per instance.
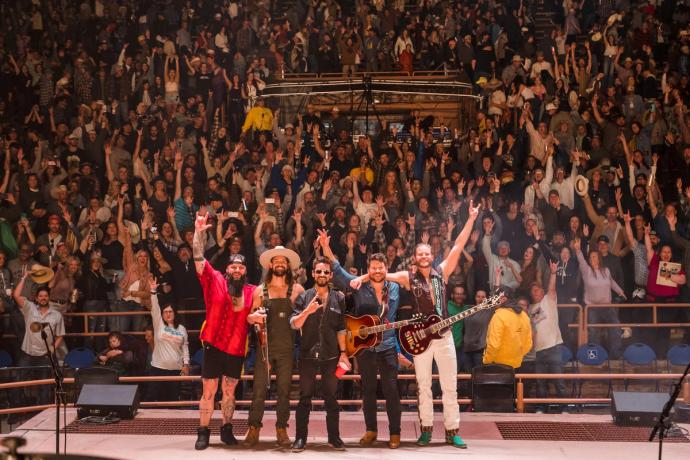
(428, 288)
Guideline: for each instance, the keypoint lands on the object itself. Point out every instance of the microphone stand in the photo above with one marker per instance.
(59, 391)
(664, 424)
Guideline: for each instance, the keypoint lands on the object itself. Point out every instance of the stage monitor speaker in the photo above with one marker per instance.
(632, 408)
(121, 401)
(493, 388)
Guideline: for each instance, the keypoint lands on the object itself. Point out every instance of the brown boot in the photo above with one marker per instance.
(282, 438)
(394, 441)
(252, 438)
(368, 438)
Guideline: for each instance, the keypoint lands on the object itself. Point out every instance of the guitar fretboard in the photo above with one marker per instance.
(485, 305)
(386, 327)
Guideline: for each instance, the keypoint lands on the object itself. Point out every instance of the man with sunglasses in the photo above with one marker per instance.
(319, 317)
(375, 297)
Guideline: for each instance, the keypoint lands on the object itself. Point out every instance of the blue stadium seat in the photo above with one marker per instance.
(5, 359)
(678, 355)
(80, 358)
(594, 356)
(639, 354)
(198, 357)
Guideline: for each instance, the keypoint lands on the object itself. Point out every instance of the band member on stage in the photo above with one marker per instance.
(375, 297)
(228, 301)
(272, 307)
(428, 289)
(319, 317)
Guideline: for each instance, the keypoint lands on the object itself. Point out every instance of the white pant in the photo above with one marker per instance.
(443, 352)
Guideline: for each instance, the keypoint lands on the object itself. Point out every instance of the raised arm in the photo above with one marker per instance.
(447, 267)
(17, 294)
(199, 241)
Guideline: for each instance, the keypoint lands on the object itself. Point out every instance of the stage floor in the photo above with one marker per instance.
(170, 434)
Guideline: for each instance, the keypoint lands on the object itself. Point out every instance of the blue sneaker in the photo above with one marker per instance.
(425, 438)
(456, 441)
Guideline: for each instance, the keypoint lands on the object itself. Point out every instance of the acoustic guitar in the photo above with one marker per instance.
(366, 331)
(415, 338)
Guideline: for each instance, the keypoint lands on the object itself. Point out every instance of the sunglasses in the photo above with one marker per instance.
(322, 272)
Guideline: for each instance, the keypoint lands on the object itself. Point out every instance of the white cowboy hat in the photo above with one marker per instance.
(581, 185)
(289, 254)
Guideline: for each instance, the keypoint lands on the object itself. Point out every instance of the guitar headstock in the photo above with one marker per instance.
(417, 317)
(489, 302)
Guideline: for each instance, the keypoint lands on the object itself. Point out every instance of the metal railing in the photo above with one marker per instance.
(586, 325)
(520, 401)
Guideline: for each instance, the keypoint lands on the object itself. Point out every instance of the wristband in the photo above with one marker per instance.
(198, 259)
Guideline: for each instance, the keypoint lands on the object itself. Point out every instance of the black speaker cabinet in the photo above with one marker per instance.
(631, 408)
(493, 388)
(121, 401)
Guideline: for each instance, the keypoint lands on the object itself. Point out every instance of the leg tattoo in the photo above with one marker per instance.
(227, 404)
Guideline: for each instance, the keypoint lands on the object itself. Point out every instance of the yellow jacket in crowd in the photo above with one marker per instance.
(509, 338)
(259, 119)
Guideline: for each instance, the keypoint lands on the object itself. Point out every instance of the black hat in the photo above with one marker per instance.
(237, 259)
(603, 238)
(215, 197)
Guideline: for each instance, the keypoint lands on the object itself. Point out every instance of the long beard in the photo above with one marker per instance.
(236, 286)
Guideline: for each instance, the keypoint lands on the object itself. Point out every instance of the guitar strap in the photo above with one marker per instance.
(437, 286)
(384, 303)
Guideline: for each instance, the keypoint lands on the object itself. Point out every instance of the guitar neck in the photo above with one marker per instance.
(488, 303)
(386, 327)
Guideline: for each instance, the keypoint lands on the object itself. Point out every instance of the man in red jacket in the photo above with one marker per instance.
(228, 301)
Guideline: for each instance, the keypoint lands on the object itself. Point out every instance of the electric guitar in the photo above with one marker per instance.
(366, 331)
(415, 338)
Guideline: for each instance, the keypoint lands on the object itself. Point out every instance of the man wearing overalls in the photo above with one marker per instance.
(271, 308)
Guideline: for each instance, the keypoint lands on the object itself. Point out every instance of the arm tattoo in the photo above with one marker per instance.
(198, 244)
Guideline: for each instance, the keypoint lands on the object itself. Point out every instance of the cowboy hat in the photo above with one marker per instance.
(55, 190)
(494, 83)
(96, 255)
(134, 232)
(289, 254)
(103, 214)
(581, 185)
(41, 274)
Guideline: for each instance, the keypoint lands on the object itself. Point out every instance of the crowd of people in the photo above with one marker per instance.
(123, 120)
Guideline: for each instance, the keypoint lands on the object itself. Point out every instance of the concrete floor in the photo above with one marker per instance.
(478, 429)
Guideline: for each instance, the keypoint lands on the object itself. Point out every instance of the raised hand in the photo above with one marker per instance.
(474, 210)
(153, 284)
(323, 238)
(626, 217)
(425, 237)
(585, 230)
(200, 223)
(553, 265)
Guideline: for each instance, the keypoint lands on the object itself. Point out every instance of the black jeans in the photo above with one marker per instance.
(386, 363)
(308, 368)
(163, 391)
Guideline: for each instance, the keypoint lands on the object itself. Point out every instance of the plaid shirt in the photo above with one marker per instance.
(409, 241)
